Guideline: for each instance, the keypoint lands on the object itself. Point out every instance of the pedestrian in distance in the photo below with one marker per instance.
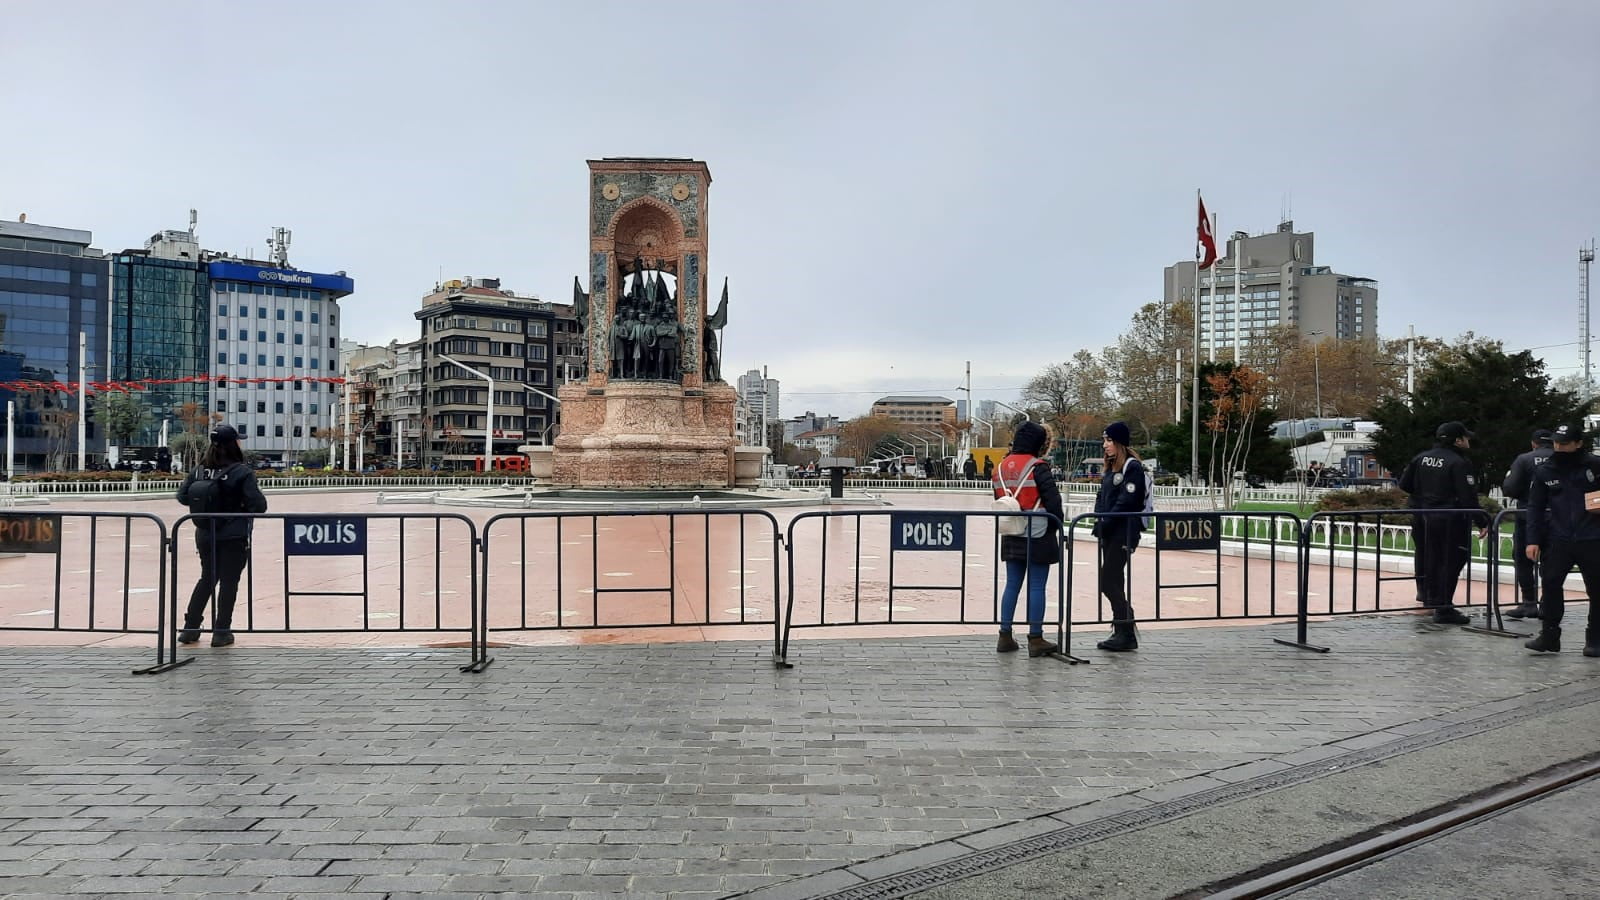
(1563, 532)
(1516, 487)
(222, 483)
(1123, 489)
(1442, 479)
(1028, 556)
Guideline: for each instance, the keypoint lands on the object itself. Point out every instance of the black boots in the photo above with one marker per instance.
(1123, 638)
(1008, 644)
(1523, 611)
(1449, 615)
(1591, 643)
(189, 636)
(222, 639)
(1038, 646)
(1548, 641)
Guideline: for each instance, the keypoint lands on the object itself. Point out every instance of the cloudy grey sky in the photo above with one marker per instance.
(899, 187)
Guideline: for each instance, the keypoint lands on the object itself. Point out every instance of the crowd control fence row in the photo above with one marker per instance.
(728, 573)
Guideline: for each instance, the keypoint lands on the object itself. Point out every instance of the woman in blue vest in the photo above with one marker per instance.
(1122, 490)
(1026, 476)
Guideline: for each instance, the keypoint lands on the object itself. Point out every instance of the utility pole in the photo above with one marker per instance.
(1411, 368)
(1585, 339)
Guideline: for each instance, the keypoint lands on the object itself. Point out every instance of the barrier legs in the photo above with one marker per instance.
(166, 660)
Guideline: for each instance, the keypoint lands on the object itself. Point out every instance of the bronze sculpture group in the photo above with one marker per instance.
(646, 332)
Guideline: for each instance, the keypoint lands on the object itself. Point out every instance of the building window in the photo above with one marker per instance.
(297, 431)
(297, 386)
(278, 407)
(261, 312)
(280, 319)
(315, 363)
(244, 335)
(261, 359)
(261, 431)
(298, 406)
(222, 406)
(222, 359)
(278, 361)
(299, 362)
(313, 409)
(280, 337)
(244, 406)
(331, 346)
(244, 359)
(332, 365)
(261, 336)
(299, 315)
(314, 317)
(222, 309)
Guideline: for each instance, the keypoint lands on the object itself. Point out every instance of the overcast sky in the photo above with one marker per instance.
(898, 187)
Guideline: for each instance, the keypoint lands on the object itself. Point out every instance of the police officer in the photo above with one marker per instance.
(1441, 479)
(1562, 532)
(1516, 487)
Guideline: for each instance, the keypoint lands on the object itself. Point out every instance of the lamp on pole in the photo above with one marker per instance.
(488, 425)
(1316, 368)
(361, 447)
(544, 436)
(1027, 415)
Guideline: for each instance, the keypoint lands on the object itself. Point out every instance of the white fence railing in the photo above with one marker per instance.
(157, 486)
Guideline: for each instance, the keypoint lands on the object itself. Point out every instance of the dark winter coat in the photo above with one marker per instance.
(239, 488)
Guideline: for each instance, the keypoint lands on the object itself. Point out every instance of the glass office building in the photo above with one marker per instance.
(160, 301)
(53, 285)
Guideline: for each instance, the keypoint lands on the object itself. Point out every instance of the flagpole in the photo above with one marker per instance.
(1194, 397)
(1238, 255)
(1211, 308)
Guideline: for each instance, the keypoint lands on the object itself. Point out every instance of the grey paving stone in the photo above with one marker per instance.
(712, 766)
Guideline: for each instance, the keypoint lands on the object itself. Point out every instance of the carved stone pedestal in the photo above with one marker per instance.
(645, 434)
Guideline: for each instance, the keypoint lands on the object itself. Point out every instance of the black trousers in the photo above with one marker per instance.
(1556, 561)
(221, 564)
(1527, 570)
(1114, 580)
(1444, 543)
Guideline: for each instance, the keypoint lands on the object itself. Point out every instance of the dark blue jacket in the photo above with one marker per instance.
(1121, 493)
(1555, 499)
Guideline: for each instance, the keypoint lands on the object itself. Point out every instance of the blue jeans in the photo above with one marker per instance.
(1038, 574)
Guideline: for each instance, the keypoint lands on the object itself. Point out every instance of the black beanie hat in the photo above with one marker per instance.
(1030, 438)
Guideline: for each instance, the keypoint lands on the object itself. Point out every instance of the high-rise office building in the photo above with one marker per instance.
(160, 315)
(1280, 283)
(276, 347)
(53, 286)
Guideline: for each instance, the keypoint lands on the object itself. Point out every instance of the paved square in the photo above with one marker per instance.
(684, 769)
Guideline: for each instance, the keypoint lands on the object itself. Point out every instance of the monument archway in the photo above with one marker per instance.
(653, 411)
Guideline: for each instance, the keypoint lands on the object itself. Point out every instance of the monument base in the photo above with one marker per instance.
(645, 434)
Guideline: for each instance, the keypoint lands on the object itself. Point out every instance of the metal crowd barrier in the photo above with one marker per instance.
(1247, 535)
(94, 590)
(1358, 542)
(943, 532)
(705, 559)
(328, 557)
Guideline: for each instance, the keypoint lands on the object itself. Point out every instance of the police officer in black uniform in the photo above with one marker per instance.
(1562, 532)
(1442, 479)
(1516, 487)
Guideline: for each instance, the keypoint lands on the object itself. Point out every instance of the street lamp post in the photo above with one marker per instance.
(1316, 368)
(361, 447)
(488, 425)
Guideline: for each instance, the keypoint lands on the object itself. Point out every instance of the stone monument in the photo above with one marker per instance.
(653, 411)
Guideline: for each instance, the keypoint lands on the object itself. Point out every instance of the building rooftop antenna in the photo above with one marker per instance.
(194, 220)
(278, 244)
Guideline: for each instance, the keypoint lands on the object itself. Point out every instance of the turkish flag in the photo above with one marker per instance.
(1205, 252)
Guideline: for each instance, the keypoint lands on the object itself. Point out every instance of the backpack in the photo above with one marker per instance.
(1013, 525)
(216, 491)
(1149, 493)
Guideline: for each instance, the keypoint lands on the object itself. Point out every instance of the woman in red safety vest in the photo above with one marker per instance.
(1030, 555)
